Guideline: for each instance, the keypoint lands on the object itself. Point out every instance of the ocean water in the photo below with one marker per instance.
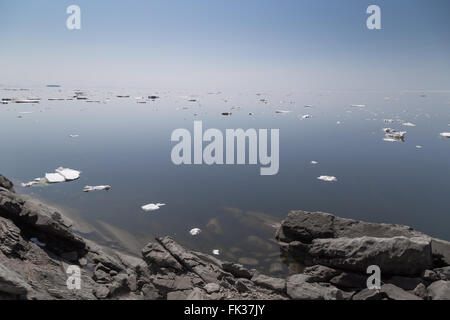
(127, 145)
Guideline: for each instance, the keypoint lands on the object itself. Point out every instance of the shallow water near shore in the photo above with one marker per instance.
(127, 145)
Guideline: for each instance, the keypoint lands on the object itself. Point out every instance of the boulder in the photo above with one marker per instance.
(396, 293)
(275, 284)
(398, 255)
(6, 183)
(369, 294)
(439, 290)
(299, 289)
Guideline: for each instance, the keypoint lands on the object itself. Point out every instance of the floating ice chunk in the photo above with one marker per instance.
(216, 252)
(54, 178)
(314, 162)
(96, 188)
(34, 182)
(358, 105)
(74, 135)
(308, 106)
(26, 100)
(445, 134)
(37, 242)
(68, 174)
(282, 111)
(195, 231)
(418, 147)
(409, 124)
(306, 116)
(327, 178)
(152, 206)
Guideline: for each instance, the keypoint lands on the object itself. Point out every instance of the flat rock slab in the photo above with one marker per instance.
(398, 255)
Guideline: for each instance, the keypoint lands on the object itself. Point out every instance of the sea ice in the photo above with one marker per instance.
(409, 124)
(306, 116)
(327, 178)
(282, 111)
(54, 178)
(314, 162)
(68, 174)
(195, 231)
(96, 188)
(445, 134)
(152, 206)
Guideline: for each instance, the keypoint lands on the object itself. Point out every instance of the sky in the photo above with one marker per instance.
(227, 44)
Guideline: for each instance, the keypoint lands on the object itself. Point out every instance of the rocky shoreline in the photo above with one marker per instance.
(37, 246)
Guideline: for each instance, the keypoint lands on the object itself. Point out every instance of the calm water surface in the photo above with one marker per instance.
(127, 145)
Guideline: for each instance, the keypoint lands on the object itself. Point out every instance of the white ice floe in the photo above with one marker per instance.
(306, 116)
(445, 134)
(54, 177)
(216, 252)
(37, 242)
(152, 206)
(96, 188)
(392, 135)
(409, 124)
(358, 105)
(418, 147)
(195, 231)
(74, 135)
(327, 178)
(68, 174)
(282, 111)
(314, 162)
(34, 182)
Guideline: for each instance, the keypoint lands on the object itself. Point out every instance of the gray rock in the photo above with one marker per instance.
(398, 255)
(306, 226)
(349, 280)
(439, 290)
(101, 292)
(12, 283)
(275, 284)
(241, 286)
(443, 273)
(369, 294)
(421, 291)
(237, 270)
(211, 288)
(197, 294)
(396, 293)
(318, 273)
(430, 275)
(299, 289)
(6, 183)
(154, 253)
(177, 295)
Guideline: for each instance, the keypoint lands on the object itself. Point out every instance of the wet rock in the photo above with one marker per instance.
(398, 255)
(12, 283)
(211, 288)
(101, 292)
(197, 294)
(396, 293)
(320, 273)
(430, 275)
(439, 290)
(443, 273)
(177, 295)
(155, 254)
(275, 284)
(241, 286)
(299, 289)
(369, 294)
(349, 280)
(421, 291)
(6, 183)
(237, 270)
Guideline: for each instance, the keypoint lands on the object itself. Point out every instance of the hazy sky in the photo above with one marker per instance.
(222, 44)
